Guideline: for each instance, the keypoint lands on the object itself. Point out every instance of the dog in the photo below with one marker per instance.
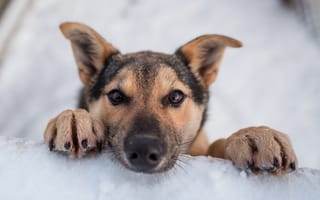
(148, 108)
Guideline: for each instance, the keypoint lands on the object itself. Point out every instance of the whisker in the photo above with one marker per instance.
(180, 165)
(183, 162)
(188, 141)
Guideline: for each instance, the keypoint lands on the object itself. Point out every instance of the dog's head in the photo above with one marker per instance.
(153, 105)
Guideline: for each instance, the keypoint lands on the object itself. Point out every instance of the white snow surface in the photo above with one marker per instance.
(29, 171)
(273, 80)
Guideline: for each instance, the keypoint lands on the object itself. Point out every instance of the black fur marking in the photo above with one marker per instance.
(147, 63)
(182, 57)
(143, 124)
(109, 58)
(203, 119)
(147, 125)
(187, 77)
(111, 68)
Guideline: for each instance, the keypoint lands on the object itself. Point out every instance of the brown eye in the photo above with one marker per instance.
(116, 97)
(175, 98)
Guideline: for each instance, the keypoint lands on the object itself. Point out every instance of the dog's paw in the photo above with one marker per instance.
(75, 133)
(261, 149)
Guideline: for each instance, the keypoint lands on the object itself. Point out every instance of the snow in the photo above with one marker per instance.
(29, 171)
(273, 80)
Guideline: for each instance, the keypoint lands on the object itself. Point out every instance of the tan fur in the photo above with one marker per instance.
(200, 145)
(122, 116)
(216, 149)
(62, 129)
(194, 50)
(254, 148)
(74, 32)
(185, 120)
(259, 146)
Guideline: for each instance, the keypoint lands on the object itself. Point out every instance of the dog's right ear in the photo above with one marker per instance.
(89, 48)
(203, 55)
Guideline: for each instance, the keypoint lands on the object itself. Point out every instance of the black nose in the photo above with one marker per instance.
(143, 152)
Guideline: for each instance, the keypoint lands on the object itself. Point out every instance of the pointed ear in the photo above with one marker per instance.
(203, 55)
(89, 49)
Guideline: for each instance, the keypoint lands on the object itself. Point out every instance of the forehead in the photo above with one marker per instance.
(144, 69)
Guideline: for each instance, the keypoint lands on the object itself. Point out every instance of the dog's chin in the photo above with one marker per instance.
(164, 166)
(157, 170)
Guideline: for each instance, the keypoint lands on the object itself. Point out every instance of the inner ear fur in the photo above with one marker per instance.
(89, 49)
(204, 54)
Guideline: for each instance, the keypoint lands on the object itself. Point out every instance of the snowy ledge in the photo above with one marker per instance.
(29, 171)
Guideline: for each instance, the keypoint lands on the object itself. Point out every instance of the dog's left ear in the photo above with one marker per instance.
(203, 55)
(89, 48)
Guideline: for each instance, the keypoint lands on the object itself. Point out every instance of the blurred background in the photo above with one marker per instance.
(273, 80)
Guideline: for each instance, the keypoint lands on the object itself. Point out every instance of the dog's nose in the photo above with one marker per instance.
(143, 152)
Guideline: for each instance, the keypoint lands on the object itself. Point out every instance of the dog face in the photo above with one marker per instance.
(153, 105)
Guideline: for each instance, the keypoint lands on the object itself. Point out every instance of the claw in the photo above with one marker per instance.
(51, 145)
(84, 143)
(276, 163)
(99, 146)
(293, 166)
(64, 135)
(250, 164)
(67, 145)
